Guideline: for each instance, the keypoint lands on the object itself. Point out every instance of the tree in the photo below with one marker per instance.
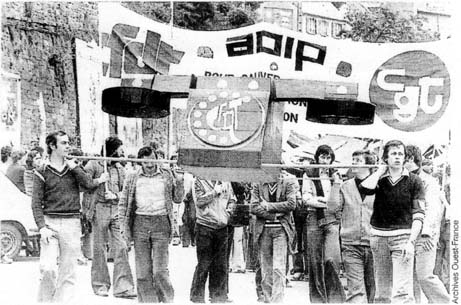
(199, 15)
(384, 25)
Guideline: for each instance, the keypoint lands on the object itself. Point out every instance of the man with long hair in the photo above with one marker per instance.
(396, 221)
(322, 225)
(105, 223)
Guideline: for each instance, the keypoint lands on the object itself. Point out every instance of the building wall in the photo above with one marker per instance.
(38, 45)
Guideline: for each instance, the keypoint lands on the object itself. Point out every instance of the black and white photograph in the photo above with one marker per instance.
(230, 152)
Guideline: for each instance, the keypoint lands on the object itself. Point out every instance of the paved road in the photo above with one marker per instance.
(19, 282)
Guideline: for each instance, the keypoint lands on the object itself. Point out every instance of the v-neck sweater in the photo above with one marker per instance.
(57, 193)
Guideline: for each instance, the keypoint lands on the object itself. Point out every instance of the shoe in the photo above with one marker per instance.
(102, 292)
(82, 261)
(126, 295)
(288, 284)
(298, 276)
(6, 260)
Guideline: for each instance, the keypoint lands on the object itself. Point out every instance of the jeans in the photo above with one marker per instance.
(273, 254)
(442, 259)
(393, 275)
(237, 259)
(300, 258)
(211, 246)
(430, 284)
(58, 260)
(151, 236)
(105, 223)
(324, 259)
(358, 262)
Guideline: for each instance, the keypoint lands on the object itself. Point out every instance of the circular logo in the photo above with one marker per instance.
(411, 90)
(226, 119)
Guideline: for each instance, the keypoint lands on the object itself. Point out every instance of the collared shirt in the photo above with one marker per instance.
(150, 195)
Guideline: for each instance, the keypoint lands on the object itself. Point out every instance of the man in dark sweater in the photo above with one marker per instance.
(396, 222)
(56, 209)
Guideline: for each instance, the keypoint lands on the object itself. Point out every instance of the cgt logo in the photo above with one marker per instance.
(411, 90)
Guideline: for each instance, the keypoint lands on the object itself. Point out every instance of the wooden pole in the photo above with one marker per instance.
(267, 165)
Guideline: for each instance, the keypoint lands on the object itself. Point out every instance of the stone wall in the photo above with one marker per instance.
(38, 45)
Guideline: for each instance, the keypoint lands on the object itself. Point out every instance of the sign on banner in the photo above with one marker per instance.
(409, 83)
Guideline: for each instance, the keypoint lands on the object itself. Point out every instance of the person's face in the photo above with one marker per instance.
(119, 152)
(62, 147)
(325, 159)
(396, 156)
(149, 167)
(358, 160)
(37, 161)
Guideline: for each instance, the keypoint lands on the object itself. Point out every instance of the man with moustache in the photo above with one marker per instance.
(146, 214)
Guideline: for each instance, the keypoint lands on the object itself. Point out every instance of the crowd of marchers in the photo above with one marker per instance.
(383, 228)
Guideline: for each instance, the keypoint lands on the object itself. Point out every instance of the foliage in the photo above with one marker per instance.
(199, 15)
(384, 25)
(194, 15)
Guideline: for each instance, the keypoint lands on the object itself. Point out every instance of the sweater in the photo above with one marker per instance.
(398, 203)
(355, 214)
(57, 193)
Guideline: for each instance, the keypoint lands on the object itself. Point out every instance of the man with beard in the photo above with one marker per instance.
(105, 221)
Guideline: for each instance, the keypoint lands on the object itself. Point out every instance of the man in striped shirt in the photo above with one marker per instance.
(274, 232)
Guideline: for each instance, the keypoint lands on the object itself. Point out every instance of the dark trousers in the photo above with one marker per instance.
(324, 258)
(106, 224)
(211, 245)
(187, 231)
(300, 258)
(151, 238)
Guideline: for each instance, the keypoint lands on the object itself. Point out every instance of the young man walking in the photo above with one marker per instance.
(274, 232)
(397, 219)
(426, 244)
(106, 223)
(146, 214)
(212, 200)
(322, 227)
(56, 209)
(355, 209)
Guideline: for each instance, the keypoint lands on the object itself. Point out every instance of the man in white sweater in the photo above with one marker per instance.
(355, 209)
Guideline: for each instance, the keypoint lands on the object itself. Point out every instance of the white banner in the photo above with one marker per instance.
(408, 83)
(94, 124)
